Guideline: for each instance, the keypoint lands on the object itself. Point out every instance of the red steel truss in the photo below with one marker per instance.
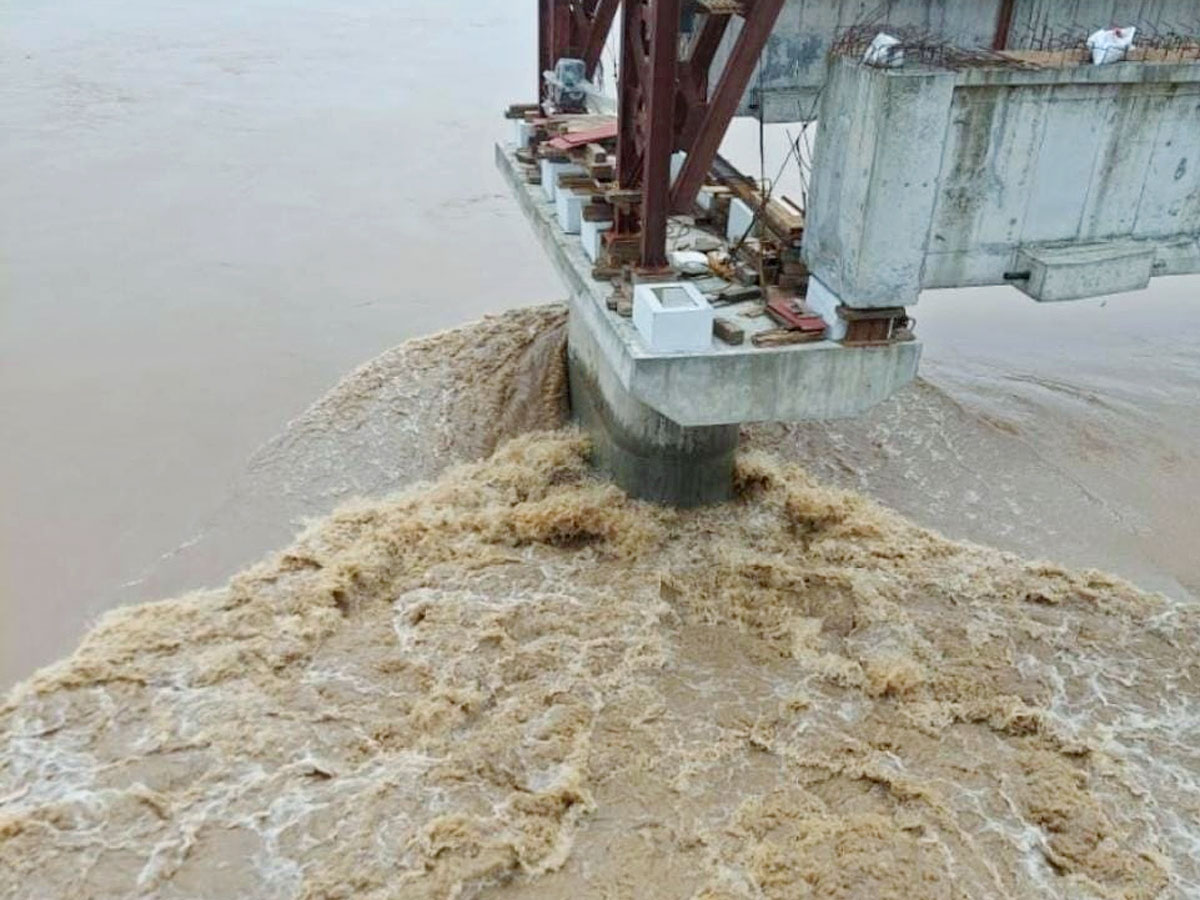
(573, 29)
(708, 116)
(646, 120)
(666, 102)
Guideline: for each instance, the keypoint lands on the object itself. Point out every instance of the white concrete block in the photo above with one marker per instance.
(568, 206)
(549, 180)
(825, 303)
(522, 132)
(740, 218)
(672, 317)
(550, 172)
(591, 235)
(677, 161)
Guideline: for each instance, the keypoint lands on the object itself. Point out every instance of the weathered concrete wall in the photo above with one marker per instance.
(649, 455)
(794, 61)
(1083, 156)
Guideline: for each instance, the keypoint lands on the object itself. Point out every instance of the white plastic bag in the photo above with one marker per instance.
(885, 52)
(1109, 45)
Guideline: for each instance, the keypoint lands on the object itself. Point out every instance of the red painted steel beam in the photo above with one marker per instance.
(1004, 20)
(545, 39)
(706, 42)
(575, 29)
(660, 130)
(731, 87)
(560, 24)
(601, 25)
(693, 79)
(629, 109)
(554, 36)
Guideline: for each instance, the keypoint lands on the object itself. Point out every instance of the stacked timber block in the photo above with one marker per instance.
(572, 158)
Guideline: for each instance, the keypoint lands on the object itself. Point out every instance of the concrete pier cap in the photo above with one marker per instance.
(665, 423)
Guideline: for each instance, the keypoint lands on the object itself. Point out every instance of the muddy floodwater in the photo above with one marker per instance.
(210, 212)
(221, 227)
(513, 681)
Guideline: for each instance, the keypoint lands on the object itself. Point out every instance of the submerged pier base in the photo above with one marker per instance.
(649, 456)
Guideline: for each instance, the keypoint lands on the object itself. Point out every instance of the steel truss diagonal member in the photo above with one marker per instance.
(665, 105)
(722, 104)
(658, 127)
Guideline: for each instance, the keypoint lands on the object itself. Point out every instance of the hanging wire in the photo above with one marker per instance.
(762, 145)
(794, 150)
(762, 153)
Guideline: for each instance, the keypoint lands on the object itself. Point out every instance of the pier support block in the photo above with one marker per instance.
(649, 456)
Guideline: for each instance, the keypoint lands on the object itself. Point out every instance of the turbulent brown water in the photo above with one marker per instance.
(512, 681)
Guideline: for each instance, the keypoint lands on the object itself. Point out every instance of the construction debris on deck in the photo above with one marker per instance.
(740, 247)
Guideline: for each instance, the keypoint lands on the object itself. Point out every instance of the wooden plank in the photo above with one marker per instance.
(780, 337)
(728, 332)
(596, 154)
(566, 122)
(624, 196)
(519, 110)
(577, 182)
(623, 248)
(851, 314)
(573, 139)
(597, 212)
(781, 216)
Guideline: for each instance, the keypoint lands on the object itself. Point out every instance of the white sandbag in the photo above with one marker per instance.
(688, 262)
(1109, 45)
(699, 240)
(885, 52)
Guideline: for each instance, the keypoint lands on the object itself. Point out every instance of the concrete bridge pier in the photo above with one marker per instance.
(646, 454)
(665, 424)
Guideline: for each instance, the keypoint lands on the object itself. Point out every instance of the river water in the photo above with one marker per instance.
(228, 231)
(210, 212)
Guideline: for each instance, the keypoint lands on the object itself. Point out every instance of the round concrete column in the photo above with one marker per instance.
(649, 456)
